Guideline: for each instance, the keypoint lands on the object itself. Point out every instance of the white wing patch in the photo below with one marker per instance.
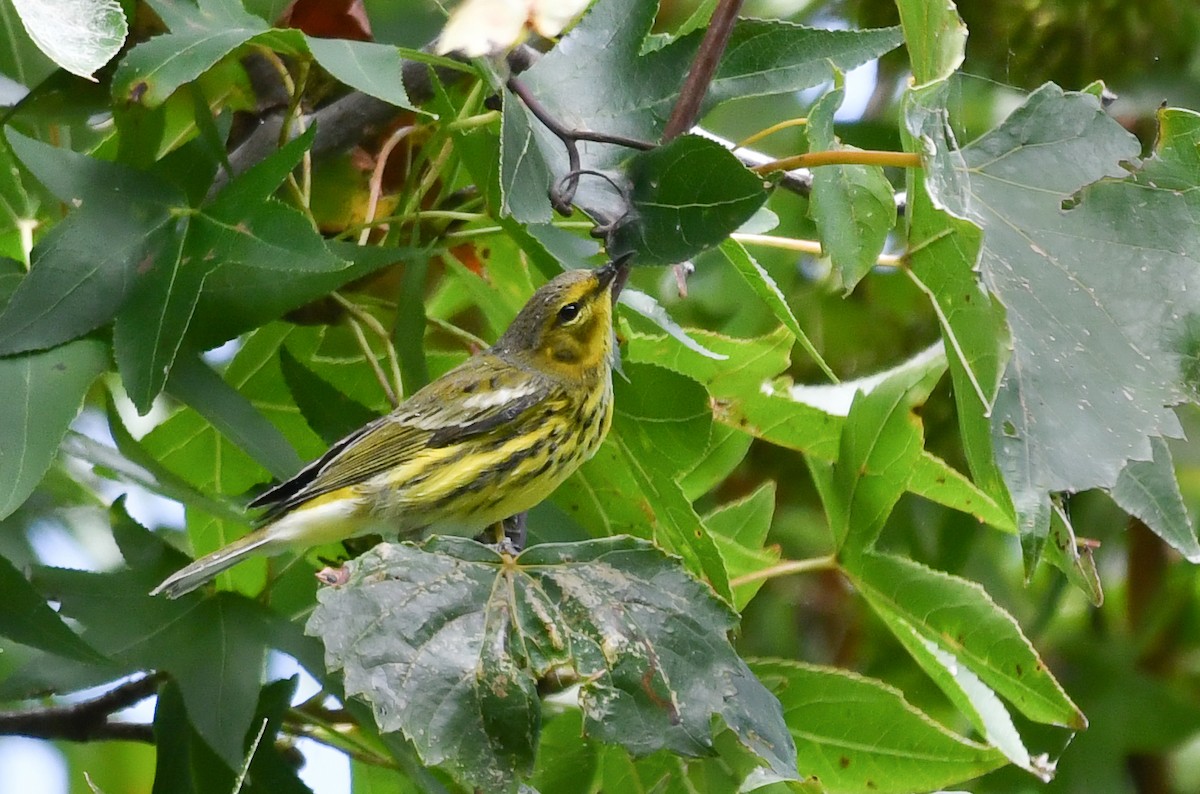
(497, 398)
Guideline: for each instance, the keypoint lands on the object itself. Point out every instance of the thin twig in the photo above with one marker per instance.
(564, 192)
(381, 161)
(89, 720)
(704, 66)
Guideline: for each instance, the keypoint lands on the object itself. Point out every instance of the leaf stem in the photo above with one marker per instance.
(840, 157)
(774, 128)
(473, 122)
(787, 568)
(395, 387)
(381, 161)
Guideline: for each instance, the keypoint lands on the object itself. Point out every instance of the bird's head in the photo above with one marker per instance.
(566, 327)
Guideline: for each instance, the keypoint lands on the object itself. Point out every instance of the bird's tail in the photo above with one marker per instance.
(191, 576)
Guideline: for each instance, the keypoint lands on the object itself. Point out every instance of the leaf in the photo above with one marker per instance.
(958, 618)
(935, 37)
(937, 481)
(192, 447)
(761, 282)
(369, 67)
(29, 620)
(852, 205)
(43, 392)
(1122, 322)
(214, 648)
(150, 328)
(1074, 559)
(200, 36)
(194, 383)
(1148, 490)
(448, 644)
(329, 412)
(75, 285)
(653, 311)
(238, 296)
(855, 734)
(740, 530)
(881, 442)
(78, 35)
(674, 216)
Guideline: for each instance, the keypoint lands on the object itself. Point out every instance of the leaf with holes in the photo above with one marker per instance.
(449, 643)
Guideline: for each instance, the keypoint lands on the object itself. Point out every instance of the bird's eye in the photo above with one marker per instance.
(568, 313)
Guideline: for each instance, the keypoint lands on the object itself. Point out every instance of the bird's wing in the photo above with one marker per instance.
(462, 403)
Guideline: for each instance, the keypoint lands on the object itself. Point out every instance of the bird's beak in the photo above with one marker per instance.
(613, 274)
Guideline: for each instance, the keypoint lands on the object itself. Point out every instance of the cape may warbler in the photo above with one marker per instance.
(487, 440)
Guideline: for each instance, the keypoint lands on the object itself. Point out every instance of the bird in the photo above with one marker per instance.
(488, 440)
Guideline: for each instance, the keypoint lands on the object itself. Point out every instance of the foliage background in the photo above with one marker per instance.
(1130, 664)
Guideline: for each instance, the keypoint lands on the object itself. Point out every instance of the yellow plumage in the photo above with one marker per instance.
(488, 440)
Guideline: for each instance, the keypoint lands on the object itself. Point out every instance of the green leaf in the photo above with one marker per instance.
(329, 412)
(935, 37)
(766, 57)
(881, 442)
(75, 284)
(369, 67)
(1148, 490)
(652, 310)
(200, 36)
(726, 449)
(741, 367)
(943, 255)
(1123, 322)
(937, 481)
(958, 618)
(739, 529)
(150, 328)
(80, 37)
(1064, 552)
(213, 648)
(855, 734)
(525, 179)
(44, 392)
(674, 215)
(761, 282)
(193, 448)
(852, 205)
(448, 645)
(239, 296)
(29, 620)
(196, 384)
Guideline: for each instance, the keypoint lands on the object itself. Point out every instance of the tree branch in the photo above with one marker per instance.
(704, 66)
(87, 721)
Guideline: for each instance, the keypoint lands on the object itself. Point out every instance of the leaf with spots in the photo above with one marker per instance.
(1097, 270)
(966, 642)
(451, 644)
(855, 734)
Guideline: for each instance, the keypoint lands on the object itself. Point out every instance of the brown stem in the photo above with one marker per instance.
(704, 66)
(87, 721)
(840, 157)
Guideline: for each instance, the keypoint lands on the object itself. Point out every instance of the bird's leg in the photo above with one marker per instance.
(515, 530)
